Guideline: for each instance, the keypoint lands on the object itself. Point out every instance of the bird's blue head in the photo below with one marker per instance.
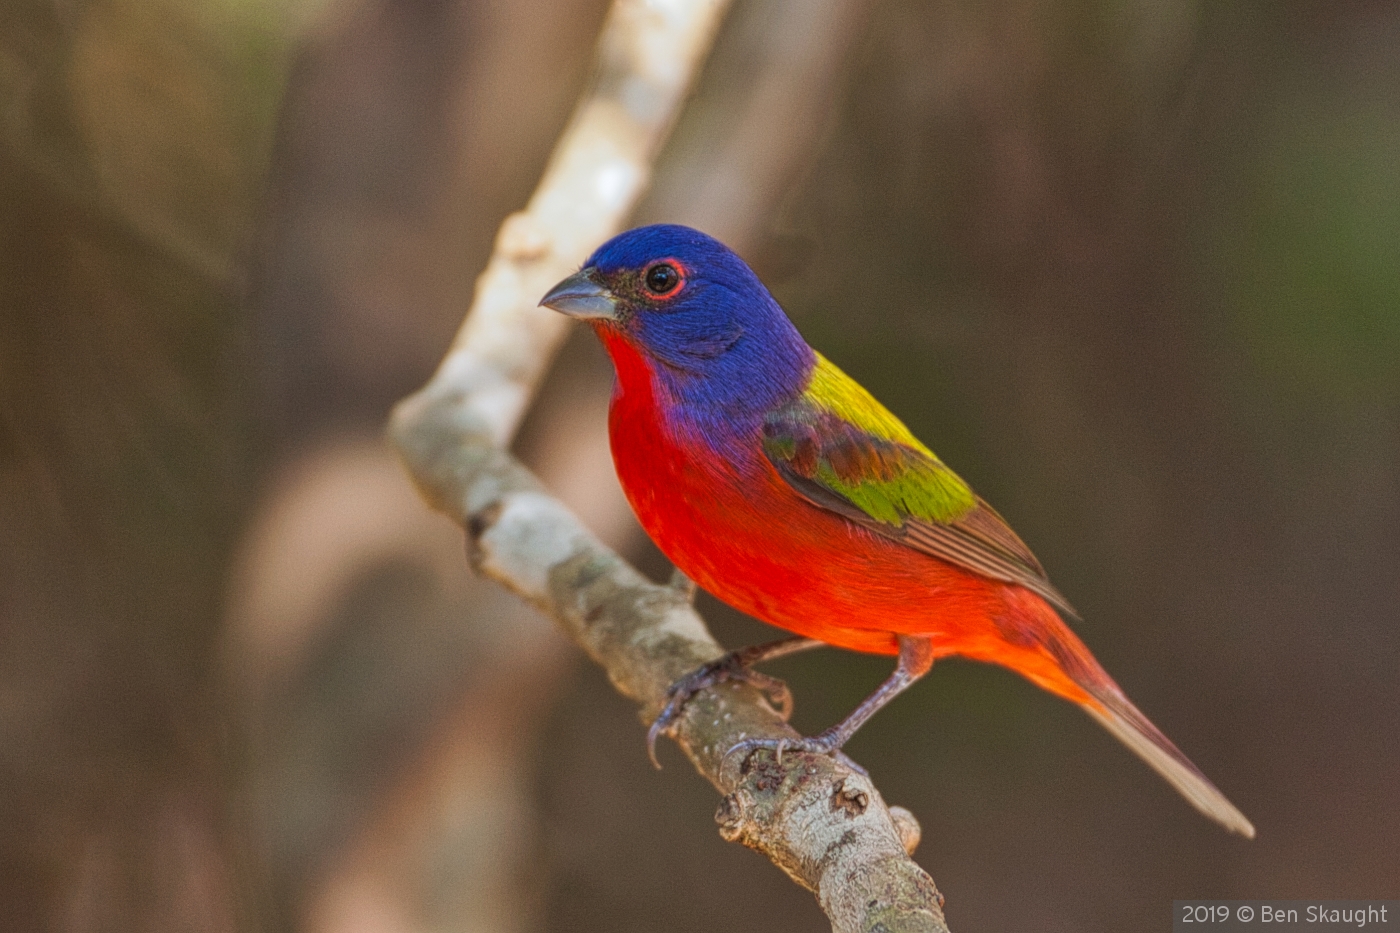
(711, 332)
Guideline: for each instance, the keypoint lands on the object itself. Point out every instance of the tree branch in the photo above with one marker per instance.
(815, 818)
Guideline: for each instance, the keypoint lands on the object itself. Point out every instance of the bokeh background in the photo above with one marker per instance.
(1132, 268)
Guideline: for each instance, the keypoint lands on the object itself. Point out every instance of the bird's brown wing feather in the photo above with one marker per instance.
(982, 542)
(979, 540)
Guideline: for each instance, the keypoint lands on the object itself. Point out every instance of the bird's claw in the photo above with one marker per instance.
(705, 677)
(815, 745)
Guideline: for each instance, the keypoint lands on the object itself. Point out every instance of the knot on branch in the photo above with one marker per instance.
(730, 817)
(852, 799)
(907, 826)
(522, 239)
(819, 806)
(478, 523)
(775, 797)
(768, 792)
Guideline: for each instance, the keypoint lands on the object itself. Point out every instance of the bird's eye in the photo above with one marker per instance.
(662, 280)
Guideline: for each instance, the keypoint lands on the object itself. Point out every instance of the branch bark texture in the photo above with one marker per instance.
(821, 822)
(648, 55)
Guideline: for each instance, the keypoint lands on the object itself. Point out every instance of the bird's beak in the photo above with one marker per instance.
(581, 297)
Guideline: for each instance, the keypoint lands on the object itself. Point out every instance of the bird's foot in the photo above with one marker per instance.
(824, 743)
(731, 667)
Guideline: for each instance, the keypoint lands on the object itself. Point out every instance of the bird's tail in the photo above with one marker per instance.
(1067, 668)
(1120, 717)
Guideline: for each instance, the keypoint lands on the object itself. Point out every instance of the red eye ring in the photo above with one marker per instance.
(663, 279)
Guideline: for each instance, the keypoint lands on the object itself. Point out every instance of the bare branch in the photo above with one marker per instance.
(648, 54)
(822, 823)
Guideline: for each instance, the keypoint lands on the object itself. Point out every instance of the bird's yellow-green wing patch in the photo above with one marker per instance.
(839, 436)
(844, 451)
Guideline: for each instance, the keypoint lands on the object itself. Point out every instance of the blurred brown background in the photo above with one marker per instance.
(1133, 268)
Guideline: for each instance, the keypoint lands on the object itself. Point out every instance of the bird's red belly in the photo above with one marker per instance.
(739, 531)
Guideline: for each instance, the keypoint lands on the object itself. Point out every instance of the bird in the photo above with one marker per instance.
(777, 483)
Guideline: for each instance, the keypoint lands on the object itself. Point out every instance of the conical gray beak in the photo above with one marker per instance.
(581, 297)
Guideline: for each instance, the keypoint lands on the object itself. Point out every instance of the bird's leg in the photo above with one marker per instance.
(736, 665)
(915, 660)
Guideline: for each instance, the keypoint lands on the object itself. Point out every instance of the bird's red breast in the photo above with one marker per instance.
(741, 532)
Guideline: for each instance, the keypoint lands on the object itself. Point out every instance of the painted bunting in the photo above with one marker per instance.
(776, 482)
